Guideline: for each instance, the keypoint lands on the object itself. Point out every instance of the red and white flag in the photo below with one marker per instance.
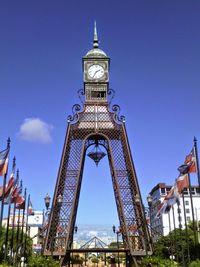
(4, 161)
(20, 201)
(8, 187)
(182, 182)
(30, 209)
(190, 161)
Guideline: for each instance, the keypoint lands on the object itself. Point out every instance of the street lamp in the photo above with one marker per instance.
(59, 201)
(117, 233)
(137, 198)
(150, 200)
(47, 201)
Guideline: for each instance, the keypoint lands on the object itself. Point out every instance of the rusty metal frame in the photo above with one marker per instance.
(88, 123)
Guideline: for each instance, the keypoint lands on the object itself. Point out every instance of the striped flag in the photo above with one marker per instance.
(8, 188)
(4, 161)
(30, 210)
(190, 161)
(171, 199)
(182, 182)
(20, 201)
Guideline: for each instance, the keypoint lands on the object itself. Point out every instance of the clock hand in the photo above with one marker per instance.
(95, 73)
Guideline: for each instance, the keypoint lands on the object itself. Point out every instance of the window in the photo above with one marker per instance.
(162, 190)
(187, 210)
(180, 218)
(185, 191)
(198, 190)
(193, 191)
(186, 203)
(188, 219)
(98, 94)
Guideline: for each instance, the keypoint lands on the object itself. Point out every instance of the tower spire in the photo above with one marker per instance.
(95, 42)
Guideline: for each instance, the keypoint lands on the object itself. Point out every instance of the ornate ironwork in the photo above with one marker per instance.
(118, 117)
(85, 128)
(75, 109)
(96, 154)
(111, 93)
(80, 95)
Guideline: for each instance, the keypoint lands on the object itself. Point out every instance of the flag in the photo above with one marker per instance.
(8, 187)
(162, 208)
(190, 161)
(30, 208)
(183, 169)
(17, 190)
(171, 198)
(4, 161)
(13, 185)
(182, 182)
(20, 201)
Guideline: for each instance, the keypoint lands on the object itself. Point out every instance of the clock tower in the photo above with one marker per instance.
(94, 125)
(96, 73)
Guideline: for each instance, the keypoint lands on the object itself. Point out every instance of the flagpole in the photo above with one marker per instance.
(8, 219)
(13, 224)
(170, 237)
(180, 231)
(17, 237)
(197, 161)
(186, 228)
(22, 229)
(7, 229)
(3, 193)
(193, 219)
(175, 243)
(12, 237)
(25, 242)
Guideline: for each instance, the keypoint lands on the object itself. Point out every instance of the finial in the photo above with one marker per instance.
(8, 142)
(95, 42)
(14, 164)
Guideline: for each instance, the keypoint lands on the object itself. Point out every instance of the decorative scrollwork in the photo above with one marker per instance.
(80, 94)
(111, 93)
(117, 117)
(74, 117)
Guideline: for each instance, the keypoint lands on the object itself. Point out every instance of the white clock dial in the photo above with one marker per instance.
(96, 71)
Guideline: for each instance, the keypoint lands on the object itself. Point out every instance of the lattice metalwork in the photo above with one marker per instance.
(96, 123)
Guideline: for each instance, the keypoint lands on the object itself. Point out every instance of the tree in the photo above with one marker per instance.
(15, 246)
(195, 263)
(95, 260)
(41, 261)
(176, 244)
(153, 261)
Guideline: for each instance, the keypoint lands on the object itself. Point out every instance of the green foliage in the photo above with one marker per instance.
(195, 263)
(40, 261)
(16, 245)
(76, 259)
(153, 261)
(116, 245)
(94, 259)
(3, 264)
(176, 244)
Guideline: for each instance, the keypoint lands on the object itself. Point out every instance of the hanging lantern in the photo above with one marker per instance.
(96, 154)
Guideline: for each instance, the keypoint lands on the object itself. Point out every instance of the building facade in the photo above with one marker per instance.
(35, 223)
(178, 215)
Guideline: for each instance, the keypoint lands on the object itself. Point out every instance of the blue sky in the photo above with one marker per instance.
(155, 63)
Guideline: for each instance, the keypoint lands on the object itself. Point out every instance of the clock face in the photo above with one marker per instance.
(37, 218)
(96, 71)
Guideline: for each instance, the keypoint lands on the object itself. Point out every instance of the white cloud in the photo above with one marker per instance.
(35, 130)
